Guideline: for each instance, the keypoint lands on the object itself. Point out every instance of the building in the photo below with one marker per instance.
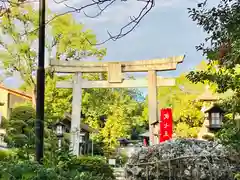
(86, 147)
(8, 99)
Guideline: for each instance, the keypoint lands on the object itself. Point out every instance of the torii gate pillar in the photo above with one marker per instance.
(152, 104)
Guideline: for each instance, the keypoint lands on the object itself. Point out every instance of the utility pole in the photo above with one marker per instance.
(40, 84)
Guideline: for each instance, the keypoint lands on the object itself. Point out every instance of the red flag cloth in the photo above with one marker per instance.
(166, 127)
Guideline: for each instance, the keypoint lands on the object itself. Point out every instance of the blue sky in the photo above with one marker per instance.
(165, 31)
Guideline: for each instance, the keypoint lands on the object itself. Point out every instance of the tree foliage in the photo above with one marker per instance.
(66, 39)
(221, 23)
(61, 166)
(57, 100)
(113, 112)
(229, 135)
(70, 40)
(183, 130)
(20, 127)
(124, 115)
(187, 115)
(17, 52)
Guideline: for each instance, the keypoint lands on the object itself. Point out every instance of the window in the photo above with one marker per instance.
(215, 119)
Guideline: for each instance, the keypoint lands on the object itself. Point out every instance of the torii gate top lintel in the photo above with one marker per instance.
(161, 64)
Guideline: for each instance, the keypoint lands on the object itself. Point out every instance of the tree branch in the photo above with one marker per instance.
(134, 21)
(101, 5)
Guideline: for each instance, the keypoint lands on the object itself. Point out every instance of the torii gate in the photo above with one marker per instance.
(115, 72)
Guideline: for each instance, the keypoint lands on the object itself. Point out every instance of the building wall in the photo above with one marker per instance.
(9, 101)
(4, 99)
(13, 100)
(3, 110)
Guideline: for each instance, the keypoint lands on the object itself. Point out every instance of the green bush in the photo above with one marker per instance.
(4, 123)
(229, 135)
(4, 154)
(20, 128)
(30, 170)
(95, 165)
(208, 137)
(121, 158)
(183, 130)
(7, 155)
(237, 176)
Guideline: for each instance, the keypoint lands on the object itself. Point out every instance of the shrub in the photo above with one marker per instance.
(229, 135)
(237, 176)
(29, 170)
(4, 154)
(4, 123)
(95, 165)
(20, 130)
(208, 137)
(122, 158)
(8, 155)
(183, 130)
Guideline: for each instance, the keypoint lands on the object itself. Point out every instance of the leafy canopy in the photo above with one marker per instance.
(65, 39)
(221, 23)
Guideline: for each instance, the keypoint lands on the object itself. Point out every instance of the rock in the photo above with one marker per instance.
(185, 159)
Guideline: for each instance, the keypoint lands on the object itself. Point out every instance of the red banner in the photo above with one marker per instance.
(166, 128)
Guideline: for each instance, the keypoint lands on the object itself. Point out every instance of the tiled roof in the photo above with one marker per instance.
(146, 134)
(82, 125)
(213, 106)
(16, 92)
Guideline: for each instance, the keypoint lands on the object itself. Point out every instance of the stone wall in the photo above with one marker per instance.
(185, 159)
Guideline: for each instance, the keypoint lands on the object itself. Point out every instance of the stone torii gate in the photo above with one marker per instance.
(115, 72)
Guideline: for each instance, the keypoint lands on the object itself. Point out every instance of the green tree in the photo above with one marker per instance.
(102, 109)
(66, 39)
(182, 98)
(222, 46)
(222, 24)
(57, 100)
(121, 111)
